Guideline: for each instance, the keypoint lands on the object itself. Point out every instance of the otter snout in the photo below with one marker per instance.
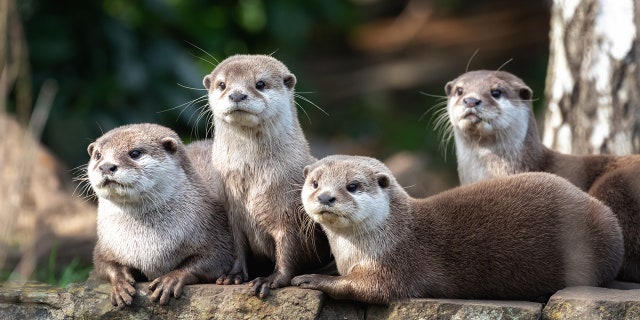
(108, 168)
(471, 102)
(326, 199)
(237, 97)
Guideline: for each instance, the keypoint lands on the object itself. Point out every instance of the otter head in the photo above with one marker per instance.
(134, 163)
(250, 90)
(347, 192)
(482, 104)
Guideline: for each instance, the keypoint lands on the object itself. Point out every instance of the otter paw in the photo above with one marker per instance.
(261, 286)
(308, 281)
(229, 279)
(122, 293)
(164, 287)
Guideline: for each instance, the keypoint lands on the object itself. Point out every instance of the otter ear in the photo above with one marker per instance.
(91, 147)
(305, 171)
(170, 144)
(448, 87)
(383, 180)
(289, 81)
(525, 93)
(207, 81)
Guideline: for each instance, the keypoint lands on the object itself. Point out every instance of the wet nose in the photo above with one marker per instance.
(326, 199)
(471, 102)
(108, 168)
(237, 97)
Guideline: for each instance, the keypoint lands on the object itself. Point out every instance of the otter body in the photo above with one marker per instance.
(157, 218)
(496, 135)
(517, 237)
(260, 151)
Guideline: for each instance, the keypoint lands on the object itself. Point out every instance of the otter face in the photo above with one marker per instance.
(344, 195)
(131, 165)
(484, 103)
(250, 90)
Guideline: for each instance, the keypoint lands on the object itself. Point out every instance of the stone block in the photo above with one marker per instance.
(593, 303)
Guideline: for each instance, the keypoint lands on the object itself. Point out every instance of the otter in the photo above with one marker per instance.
(496, 135)
(515, 237)
(260, 150)
(157, 218)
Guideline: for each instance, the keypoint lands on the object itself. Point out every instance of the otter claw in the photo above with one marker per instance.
(230, 279)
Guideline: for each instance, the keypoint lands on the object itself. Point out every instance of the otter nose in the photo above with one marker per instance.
(471, 102)
(108, 168)
(237, 97)
(326, 199)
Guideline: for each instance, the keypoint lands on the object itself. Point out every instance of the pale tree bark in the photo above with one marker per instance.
(592, 89)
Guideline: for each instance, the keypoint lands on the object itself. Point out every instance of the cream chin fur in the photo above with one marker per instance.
(373, 209)
(472, 156)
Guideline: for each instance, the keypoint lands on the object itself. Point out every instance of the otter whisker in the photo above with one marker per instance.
(83, 186)
(191, 88)
(193, 102)
(441, 121)
(202, 112)
(205, 52)
(437, 105)
(432, 95)
(442, 126)
(303, 110)
(273, 52)
(504, 64)
(209, 129)
(186, 104)
(466, 69)
(298, 95)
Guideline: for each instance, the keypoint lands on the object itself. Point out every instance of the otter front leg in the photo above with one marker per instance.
(239, 272)
(121, 279)
(364, 288)
(283, 272)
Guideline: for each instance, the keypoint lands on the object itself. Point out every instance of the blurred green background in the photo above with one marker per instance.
(371, 64)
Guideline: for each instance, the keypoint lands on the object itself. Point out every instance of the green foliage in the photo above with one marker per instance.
(56, 273)
(61, 276)
(4, 275)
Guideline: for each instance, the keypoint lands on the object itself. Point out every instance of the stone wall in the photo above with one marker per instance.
(90, 300)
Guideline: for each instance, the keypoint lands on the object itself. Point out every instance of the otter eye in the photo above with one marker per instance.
(314, 184)
(352, 187)
(496, 93)
(222, 85)
(135, 154)
(459, 91)
(97, 155)
(260, 85)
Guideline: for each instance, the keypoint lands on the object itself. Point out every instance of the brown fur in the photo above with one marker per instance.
(260, 152)
(612, 179)
(140, 217)
(489, 240)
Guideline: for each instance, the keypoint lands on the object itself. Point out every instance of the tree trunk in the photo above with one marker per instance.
(592, 88)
